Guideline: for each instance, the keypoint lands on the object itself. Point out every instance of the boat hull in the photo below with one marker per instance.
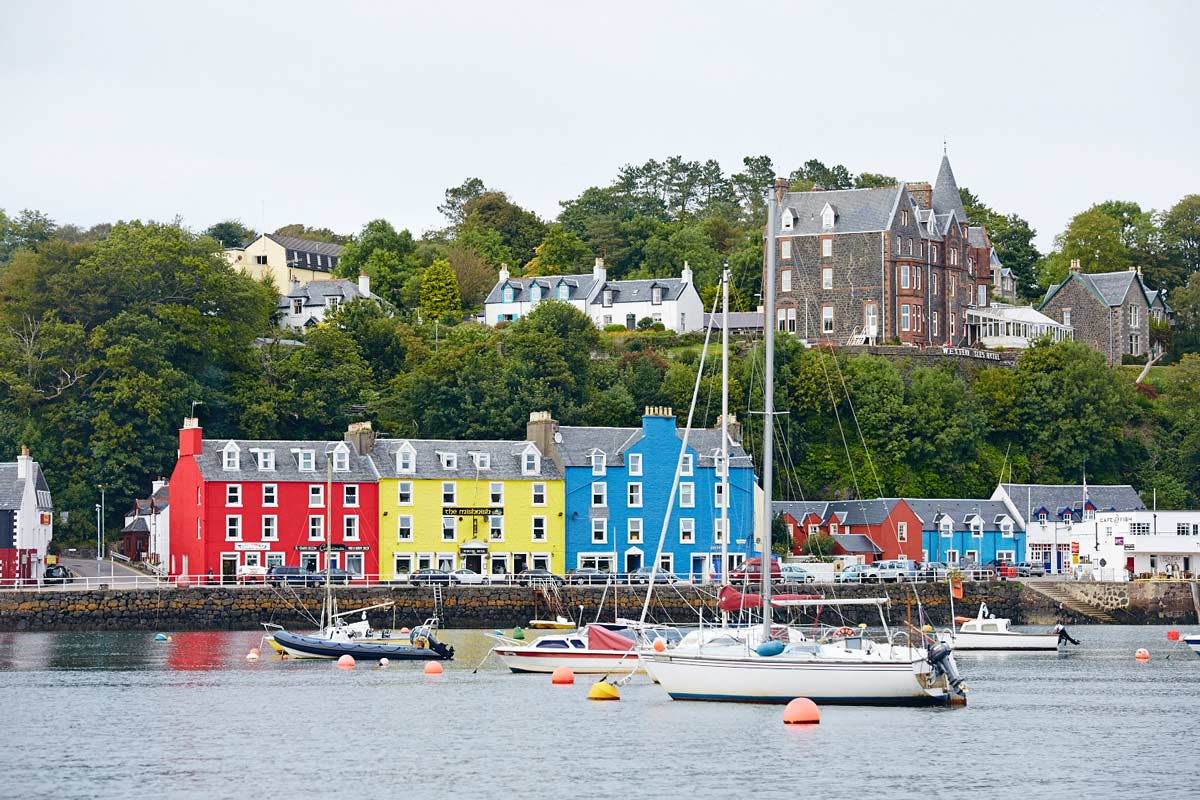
(1193, 642)
(301, 646)
(582, 662)
(750, 679)
(966, 641)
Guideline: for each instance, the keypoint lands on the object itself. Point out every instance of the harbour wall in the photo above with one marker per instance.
(245, 608)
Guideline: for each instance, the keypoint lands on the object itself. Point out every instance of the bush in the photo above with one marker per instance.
(1128, 359)
(614, 328)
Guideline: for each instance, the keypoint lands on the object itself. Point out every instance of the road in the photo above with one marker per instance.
(112, 573)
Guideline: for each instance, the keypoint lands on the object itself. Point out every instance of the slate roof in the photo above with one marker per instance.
(315, 292)
(856, 210)
(850, 512)
(306, 245)
(1029, 498)
(578, 443)
(946, 199)
(738, 320)
(505, 457)
(1110, 287)
(136, 525)
(287, 465)
(857, 543)
(11, 489)
(931, 510)
(975, 236)
(579, 287)
(640, 291)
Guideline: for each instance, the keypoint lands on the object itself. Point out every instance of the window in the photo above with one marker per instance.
(635, 495)
(449, 529)
(341, 461)
(231, 457)
(826, 319)
(316, 527)
(1006, 555)
(233, 494)
(448, 460)
(260, 260)
(1135, 316)
(350, 495)
(406, 461)
(827, 216)
(687, 464)
(307, 461)
(953, 254)
(599, 463)
(350, 527)
(535, 293)
(599, 495)
(977, 529)
(266, 460)
(781, 318)
(507, 294)
(718, 530)
(1006, 529)
(785, 249)
(785, 280)
(719, 495)
(827, 248)
(899, 245)
(904, 217)
(687, 531)
(316, 495)
(606, 298)
(404, 528)
(981, 300)
(496, 493)
(1135, 344)
(902, 531)
(935, 322)
(270, 527)
(482, 460)
(1139, 528)
(539, 529)
(905, 272)
(633, 529)
(1181, 529)
(496, 528)
(1066, 316)
(539, 494)
(448, 493)
(916, 277)
(687, 495)
(233, 528)
(953, 322)
(564, 291)
(404, 493)
(635, 463)
(871, 319)
(598, 531)
(833, 528)
(910, 247)
(1042, 517)
(905, 319)
(656, 295)
(1089, 513)
(933, 252)
(947, 527)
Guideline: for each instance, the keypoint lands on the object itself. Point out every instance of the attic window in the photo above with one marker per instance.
(656, 295)
(448, 460)
(231, 457)
(405, 460)
(308, 460)
(266, 459)
(827, 216)
(507, 294)
(599, 463)
(608, 298)
(563, 291)
(531, 462)
(788, 220)
(297, 306)
(947, 526)
(482, 460)
(535, 293)
(341, 461)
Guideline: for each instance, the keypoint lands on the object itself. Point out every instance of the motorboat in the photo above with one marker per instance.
(595, 649)
(988, 632)
(340, 628)
(1193, 641)
(420, 644)
(559, 623)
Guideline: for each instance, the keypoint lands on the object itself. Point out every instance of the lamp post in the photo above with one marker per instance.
(100, 532)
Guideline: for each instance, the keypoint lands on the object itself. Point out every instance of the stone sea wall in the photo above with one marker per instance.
(242, 608)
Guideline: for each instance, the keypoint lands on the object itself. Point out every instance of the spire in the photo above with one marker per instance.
(946, 198)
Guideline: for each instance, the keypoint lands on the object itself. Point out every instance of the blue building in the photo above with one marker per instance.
(618, 484)
(968, 531)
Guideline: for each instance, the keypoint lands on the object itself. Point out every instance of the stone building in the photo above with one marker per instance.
(1110, 311)
(871, 265)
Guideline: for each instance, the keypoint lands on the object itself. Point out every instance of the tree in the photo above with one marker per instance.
(752, 184)
(1185, 303)
(388, 256)
(1181, 234)
(520, 231)
(873, 180)
(27, 230)
(1095, 239)
(439, 292)
(302, 231)
(457, 197)
(1013, 239)
(817, 175)
(231, 233)
(561, 252)
(475, 277)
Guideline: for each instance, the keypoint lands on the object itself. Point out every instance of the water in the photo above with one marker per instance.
(118, 715)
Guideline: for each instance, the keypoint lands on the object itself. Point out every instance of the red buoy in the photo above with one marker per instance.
(1172, 635)
(433, 668)
(801, 711)
(562, 676)
(1142, 654)
(346, 661)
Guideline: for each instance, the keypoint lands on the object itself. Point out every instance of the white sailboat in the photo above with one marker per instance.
(774, 664)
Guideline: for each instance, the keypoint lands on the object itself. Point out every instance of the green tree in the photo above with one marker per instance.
(520, 231)
(1094, 237)
(1181, 234)
(873, 180)
(439, 292)
(457, 197)
(231, 233)
(561, 252)
(302, 231)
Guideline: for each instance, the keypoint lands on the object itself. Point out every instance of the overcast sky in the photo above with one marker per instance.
(333, 114)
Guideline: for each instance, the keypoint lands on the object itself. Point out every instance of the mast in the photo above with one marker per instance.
(328, 607)
(724, 477)
(768, 402)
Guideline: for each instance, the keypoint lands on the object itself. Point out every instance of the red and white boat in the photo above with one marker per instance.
(591, 650)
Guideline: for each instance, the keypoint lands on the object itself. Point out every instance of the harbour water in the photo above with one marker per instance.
(119, 715)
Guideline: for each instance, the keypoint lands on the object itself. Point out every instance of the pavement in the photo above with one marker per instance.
(112, 573)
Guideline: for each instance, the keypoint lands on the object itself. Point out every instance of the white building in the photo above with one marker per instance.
(1118, 545)
(151, 519)
(26, 520)
(672, 301)
(306, 304)
(1000, 325)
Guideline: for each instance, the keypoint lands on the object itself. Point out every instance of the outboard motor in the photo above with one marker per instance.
(422, 636)
(941, 657)
(1063, 636)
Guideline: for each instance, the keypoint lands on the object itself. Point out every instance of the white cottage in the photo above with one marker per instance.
(26, 520)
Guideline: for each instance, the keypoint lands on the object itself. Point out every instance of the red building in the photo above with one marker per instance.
(238, 506)
(885, 528)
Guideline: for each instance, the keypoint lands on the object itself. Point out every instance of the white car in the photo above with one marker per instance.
(469, 577)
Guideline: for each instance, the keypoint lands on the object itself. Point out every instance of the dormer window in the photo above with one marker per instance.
(507, 294)
(531, 461)
(482, 460)
(1042, 517)
(947, 526)
(231, 457)
(656, 295)
(535, 293)
(341, 460)
(827, 217)
(1089, 513)
(406, 460)
(606, 298)
(448, 460)
(599, 463)
(307, 461)
(788, 221)
(564, 292)
(265, 459)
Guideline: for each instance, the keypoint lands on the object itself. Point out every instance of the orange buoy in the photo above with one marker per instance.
(660, 644)
(433, 668)
(1142, 654)
(405, 631)
(252, 655)
(1172, 635)
(562, 676)
(346, 661)
(801, 711)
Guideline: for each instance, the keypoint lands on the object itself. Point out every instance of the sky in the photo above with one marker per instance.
(333, 114)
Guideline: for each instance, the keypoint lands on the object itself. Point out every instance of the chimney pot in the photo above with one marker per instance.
(364, 284)
(1075, 265)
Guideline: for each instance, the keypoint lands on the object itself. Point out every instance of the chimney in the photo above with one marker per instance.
(362, 436)
(541, 430)
(686, 275)
(157, 484)
(598, 271)
(293, 284)
(1134, 269)
(1075, 266)
(735, 428)
(24, 465)
(922, 192)
(504, 273)
(364, 284)
(780, 188)
(191, 438)
(659, 411)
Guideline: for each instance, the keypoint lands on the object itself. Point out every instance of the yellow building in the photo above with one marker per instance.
(494, 507)
(286, 259)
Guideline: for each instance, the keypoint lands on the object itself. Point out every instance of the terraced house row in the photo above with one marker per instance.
(563, 498)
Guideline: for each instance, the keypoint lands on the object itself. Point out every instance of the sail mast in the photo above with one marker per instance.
(724, 477)
(773, 198)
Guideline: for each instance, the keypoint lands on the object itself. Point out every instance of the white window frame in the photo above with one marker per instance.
(599, 530)
(633, 494)
(341, 460)
(316, 528)
(449, 461)
(496, 528)
(826, 277)
(266, 460)
(1006, 555)
(270, 528)
(687, 495)
(600, 491)
(687, 530)
(350, 495)
(233, 527)
(449, 526)
(827, 321)
(451, 493)
(270, 495)
(785, 280)
(634, 530)
(406, 460)
(536, 534)
(307, 461)
(531, 462)
(404, 488)
(719, 494)
(496, 493)
(404, 528)
(905, 317)
(233, 494)
(827, 247)
(718, 530)
(538, 495)
(350, 527)
(902, 531)
(316, 495)
(785, 252)
(635, 464)
(599, 463)
(482, 460)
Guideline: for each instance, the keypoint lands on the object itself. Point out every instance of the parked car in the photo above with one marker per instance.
(1002, 567)
(897, 570)
(530, 576)
(1031, 569)
(642, 575)
(750, 571)
(469, 577)
(934, 571)
(57, 574)
(794, 573)
(293, 576)
(857, 573)
(430, 577)
(587, 575)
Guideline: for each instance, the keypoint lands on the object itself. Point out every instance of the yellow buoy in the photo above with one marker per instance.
(433, 668)
(801, 711)
(1142, 654)
(603, 690)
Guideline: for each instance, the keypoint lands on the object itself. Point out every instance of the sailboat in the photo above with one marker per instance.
(776, 664)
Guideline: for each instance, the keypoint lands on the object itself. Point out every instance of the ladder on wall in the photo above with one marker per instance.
(438, 607)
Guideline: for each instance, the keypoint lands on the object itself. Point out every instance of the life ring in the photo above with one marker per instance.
(844, 632)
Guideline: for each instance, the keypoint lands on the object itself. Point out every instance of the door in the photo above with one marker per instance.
(699, 569)
(633, 562)
(520, 562)
(630, 321)
(229, 565)
(474, 562)
(1129, 566)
